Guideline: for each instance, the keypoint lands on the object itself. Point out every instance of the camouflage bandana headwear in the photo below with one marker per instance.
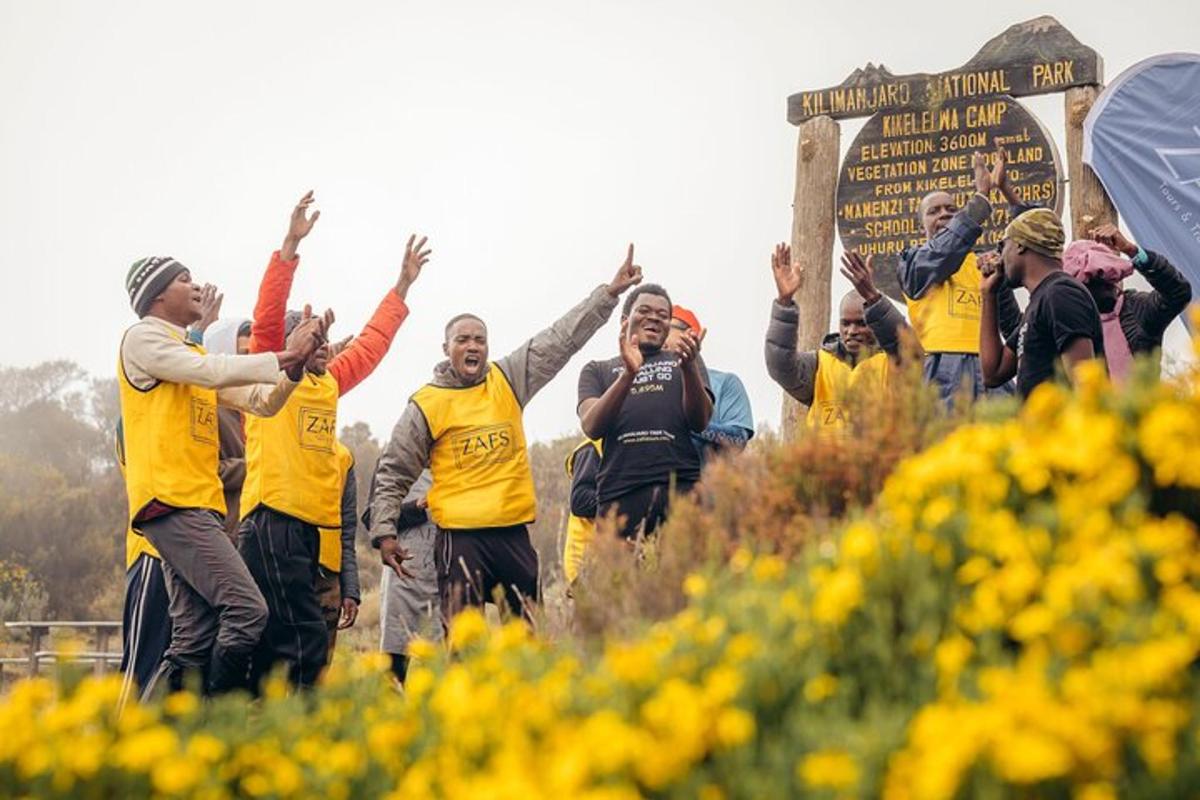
(1040, 230)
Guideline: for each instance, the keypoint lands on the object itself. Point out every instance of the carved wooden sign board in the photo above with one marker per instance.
(924, 129)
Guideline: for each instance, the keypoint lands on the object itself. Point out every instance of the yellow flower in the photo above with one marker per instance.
(181, 704)
(820, 687)
(839, 592)
(467, 628)
(176, 775)
(828, 769)
(695, 585)
(734, 726)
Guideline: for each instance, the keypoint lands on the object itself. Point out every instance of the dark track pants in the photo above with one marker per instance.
(640, 512)
(281, 552)
(146, 630)
(217, 613)
(471, 564)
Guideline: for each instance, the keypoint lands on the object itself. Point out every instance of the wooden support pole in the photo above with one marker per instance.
(1090, 204)
(813, 222)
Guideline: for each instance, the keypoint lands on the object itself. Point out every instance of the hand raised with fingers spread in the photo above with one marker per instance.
(299, 226)
(688, 346)
(415, 258)
(631, 353)
(628, 275)
(787, 275)
(210, 307)
(861, 274)
(1110, 236)
(394, 556)
(983, 178)
(999, 172)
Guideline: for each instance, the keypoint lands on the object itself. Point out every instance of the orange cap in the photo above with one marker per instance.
(684, 315)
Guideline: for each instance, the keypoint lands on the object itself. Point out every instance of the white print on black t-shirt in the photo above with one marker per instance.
(661, 371)
(639, 437)
(1021, 339)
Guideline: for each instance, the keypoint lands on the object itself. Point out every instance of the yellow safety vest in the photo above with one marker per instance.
(291, 458)
(481, 476)
(171, 450)
(835, 378)
(580, 530)
(329, 551)
(946, 318)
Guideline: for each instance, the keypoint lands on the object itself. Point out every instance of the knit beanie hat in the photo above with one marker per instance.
(148, 278)
(1040, 230)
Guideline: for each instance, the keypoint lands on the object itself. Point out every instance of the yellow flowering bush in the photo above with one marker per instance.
(1018, 613)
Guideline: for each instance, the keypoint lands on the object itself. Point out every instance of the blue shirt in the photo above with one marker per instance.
(732, 422)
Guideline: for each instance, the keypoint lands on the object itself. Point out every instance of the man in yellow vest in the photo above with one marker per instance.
(856, 358)
(466, 425)
(940, 280)
(294, 482)
(583, 469)
(170, 389)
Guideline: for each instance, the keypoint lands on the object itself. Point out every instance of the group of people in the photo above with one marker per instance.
(242, 510)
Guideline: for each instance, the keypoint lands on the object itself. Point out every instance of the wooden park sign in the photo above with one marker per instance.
(902, 155)
(924, 127)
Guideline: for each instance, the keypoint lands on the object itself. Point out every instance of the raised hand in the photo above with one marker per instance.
(631, 353)
(394, 556)
(628, 275)
(787, 275)
(991, 268)
(299, 226)
(210, 307)
(688, 346)
(302, 342)
(862, 275)
(1110, 235)
(415, 257)
(999, 173)
(983, 178)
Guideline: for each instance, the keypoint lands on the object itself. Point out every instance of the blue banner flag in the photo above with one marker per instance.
(1142, 138)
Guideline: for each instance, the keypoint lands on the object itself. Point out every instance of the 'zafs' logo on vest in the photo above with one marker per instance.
(965, 302)
(318, 427)
(477, 447)
(204, 421)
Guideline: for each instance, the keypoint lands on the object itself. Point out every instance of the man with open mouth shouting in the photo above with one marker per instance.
(466, 426)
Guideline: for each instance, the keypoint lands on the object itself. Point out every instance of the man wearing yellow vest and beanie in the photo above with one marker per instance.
(940, 281)
(867, 341)
(466, 425)
(170, 389)
(294, 477)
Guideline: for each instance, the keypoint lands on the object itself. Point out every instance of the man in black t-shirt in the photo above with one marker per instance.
(645, 404)
(1061, 320)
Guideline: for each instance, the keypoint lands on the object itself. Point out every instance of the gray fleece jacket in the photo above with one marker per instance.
(796, 372)
(528, 368)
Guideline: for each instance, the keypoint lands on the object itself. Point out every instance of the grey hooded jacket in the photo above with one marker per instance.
(528, 368)
(796, 372)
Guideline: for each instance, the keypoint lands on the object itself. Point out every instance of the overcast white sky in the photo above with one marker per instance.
(531, 140)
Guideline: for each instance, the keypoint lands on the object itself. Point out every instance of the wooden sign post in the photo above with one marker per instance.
(922, 132)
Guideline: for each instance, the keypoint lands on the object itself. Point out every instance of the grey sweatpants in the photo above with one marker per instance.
(213, 599)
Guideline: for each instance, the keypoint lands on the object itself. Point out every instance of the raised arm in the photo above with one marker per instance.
(267, 327)
(406, 455)
(932, 263)
(795, 372)
(362, 355)
(884, 319)
(532, 365)
(997, 361)
(1171, 290)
